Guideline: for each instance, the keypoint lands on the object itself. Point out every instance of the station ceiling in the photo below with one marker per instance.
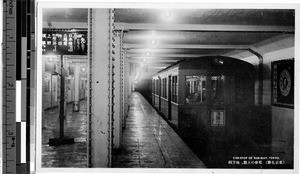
(164, 36)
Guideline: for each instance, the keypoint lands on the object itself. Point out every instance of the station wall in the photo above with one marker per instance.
(281, 119)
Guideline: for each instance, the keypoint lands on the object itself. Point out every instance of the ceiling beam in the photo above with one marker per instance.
(168, 55)
(203, 27)
(155, 58)
(158, 65)
(185, 46)
(151, 61)
(54, 25)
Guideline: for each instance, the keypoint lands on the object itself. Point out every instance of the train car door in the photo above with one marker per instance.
(169, 98)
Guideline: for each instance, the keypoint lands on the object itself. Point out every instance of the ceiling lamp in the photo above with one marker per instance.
(167, 16)
(153, 41)
(148, 53)
(167, 13)
(82, 69)
(50, 59)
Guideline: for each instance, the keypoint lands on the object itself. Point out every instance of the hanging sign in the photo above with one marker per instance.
(64, 42)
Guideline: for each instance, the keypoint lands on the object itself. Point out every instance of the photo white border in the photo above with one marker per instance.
(154, 4)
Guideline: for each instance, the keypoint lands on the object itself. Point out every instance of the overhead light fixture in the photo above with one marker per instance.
(167, 13)
(153, 41)
(82, 69)
(50, 59)
(148, 53)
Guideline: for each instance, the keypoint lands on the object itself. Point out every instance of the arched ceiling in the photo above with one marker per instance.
(165, 36)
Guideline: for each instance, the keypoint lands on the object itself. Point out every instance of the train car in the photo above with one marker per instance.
(209, 101)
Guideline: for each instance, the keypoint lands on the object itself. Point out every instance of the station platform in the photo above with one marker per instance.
(71, 155)
(149, 142)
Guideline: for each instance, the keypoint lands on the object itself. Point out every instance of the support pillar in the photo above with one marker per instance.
(76, 87)
(118, 68)
(124, 84)
(101, 88)
(128, 84)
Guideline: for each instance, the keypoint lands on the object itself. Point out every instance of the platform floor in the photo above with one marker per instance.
(149, 142)
(73, 155)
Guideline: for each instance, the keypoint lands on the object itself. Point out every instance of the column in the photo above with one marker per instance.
(76, 86)
(117, 114)
(124, 83)
(100, 101)
(127, 86)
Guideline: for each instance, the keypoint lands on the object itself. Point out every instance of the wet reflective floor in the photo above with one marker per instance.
(72, 155)
(149, 142)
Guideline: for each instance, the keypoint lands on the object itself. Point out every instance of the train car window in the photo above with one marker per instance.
(153, 86)
(156, 87)
(217, 87)
(195, 89)
(164, 87)
(174, 89)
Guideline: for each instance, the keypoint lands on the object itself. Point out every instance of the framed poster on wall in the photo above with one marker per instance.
(283, 83)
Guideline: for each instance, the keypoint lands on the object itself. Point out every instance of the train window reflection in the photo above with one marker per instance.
(195, 89)
(217, 86)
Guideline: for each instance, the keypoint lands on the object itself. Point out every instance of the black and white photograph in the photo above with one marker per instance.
(159, 87)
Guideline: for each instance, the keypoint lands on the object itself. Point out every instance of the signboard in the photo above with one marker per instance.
(283, 83)
(64, 42)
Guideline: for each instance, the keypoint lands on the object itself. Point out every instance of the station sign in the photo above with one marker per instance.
(64, 42)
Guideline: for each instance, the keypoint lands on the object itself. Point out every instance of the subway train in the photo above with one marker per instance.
(209, 101)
